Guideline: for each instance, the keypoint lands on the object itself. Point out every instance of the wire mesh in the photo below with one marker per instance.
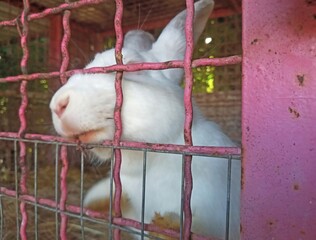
(63, 211)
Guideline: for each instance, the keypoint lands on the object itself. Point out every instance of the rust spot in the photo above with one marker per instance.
(272, 223)
(314, 16)
(296, 187)
(295, 113)
(302, 232)
(310, 2)
(254, 41)
(300, 79)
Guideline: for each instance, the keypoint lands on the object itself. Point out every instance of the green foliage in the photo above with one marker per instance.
(109, 43)
(203, 79)
(11, 55)
(3, 104)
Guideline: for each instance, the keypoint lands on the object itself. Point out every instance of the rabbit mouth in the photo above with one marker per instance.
(90, 136)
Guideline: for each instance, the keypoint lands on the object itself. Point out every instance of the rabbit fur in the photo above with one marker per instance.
(152, 111)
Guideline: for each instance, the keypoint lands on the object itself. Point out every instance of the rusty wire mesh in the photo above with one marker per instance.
(25, 196)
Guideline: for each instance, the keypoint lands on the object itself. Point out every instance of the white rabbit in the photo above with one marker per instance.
(138, 40)
(153, 112)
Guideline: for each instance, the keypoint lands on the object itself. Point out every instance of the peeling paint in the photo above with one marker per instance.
(296, 187)
(300, 79)
(294, 112)
(254, 41)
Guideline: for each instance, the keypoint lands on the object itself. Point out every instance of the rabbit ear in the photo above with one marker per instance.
(171, 42)
(138, 40)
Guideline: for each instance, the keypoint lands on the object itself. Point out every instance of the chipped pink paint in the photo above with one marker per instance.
(55, 10)
(63, 152)
(22, 116)
(64, 46)
(279, 133)
(64, 192)
(174, 148)
(128, 68)
(63, 7)
(10, 23)
(188, 118)
(117, 114)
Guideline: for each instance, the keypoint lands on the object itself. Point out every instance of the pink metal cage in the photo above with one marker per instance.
(21, 137)
(278, 194)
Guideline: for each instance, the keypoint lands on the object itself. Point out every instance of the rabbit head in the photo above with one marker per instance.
(152, 109)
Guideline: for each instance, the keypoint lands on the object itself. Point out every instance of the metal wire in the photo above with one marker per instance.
(16, 190)
(208, 151)
(81, 195)
(143, 193)
(182, 198)
(56, 190)
(229, 178)
(1, 218)
(111, 194)
(35, 191)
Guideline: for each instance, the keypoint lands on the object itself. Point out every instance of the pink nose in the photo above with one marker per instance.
(61, 105)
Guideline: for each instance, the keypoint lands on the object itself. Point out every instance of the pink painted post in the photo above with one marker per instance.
(279, 133)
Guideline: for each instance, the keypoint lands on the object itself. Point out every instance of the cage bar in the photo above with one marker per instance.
(117, 114)
(81, 195)
(22, 116)
(64, 193)
(56, 190)
(188, 180)
(128, 68)
(143, 194)
(35, 190)
(170, 148)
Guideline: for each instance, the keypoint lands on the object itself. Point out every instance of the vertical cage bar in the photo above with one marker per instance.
(188, 182)
(56, 191)
(63, 154)
(81, 195)
(1, 218)
(117, 113)
(64, 45)
(143, 194)
(63, 195)
(22, 116)
(111, 195)
(35, 191)
(23, 179)
(182, 198)
(229, 178)
(16, 186)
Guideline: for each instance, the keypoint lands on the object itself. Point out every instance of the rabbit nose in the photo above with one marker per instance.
(61, 105)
